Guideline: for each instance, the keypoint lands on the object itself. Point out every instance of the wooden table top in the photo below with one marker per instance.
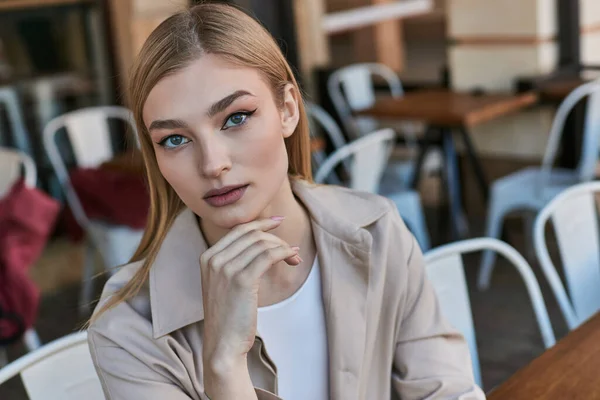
(450, 109)
(569, 370)
(559, 89)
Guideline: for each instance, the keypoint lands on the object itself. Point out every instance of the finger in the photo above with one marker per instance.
(264, 225)
(248, 254)
(258, 240)
(265, 260)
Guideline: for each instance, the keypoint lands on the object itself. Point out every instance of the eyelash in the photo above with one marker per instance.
(245, 113)
(163, 141)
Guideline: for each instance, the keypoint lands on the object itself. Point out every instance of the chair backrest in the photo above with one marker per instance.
(321, 122)
(369, 156)
(89, 134)
(351, 89)
(574, 218)
(13, 165)
(61, 370)
(327, 124)
(445, 270)
(591, 131)
(9, 99)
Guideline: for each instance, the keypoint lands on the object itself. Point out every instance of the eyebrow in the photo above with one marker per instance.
(167, 124)
(212, 111)
(226, 102)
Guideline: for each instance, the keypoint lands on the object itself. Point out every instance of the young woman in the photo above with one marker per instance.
(251, 282)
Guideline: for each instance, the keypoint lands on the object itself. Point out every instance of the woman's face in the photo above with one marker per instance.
(218, 136)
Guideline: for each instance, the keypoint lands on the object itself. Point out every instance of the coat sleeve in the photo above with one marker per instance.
(432, 359)
(138, 372)
(124, 376)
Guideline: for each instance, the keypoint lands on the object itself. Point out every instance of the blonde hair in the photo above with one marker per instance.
(178, 41)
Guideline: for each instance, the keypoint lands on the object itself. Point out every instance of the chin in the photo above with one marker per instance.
(229, 218)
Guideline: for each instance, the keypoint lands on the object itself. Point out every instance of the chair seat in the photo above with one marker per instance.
(524, 188)
(117, 243)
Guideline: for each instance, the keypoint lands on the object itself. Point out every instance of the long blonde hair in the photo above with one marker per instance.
(181, 39)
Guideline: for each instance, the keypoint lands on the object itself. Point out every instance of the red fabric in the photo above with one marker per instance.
(27, 218)
(108, 195)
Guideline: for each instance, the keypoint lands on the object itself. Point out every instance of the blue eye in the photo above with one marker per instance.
(173, 141)
(235, 120)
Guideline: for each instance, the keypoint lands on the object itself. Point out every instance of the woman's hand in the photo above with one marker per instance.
(231, 272)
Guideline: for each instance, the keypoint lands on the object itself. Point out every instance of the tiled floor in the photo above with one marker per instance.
(507, 333)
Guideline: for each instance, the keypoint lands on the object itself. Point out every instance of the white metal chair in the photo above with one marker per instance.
(369, 156)
(351, 89)
(60, 370)
(574, 218)
(445, 271)
(9, 99)
(13, 165)
(532, 188)
(396, 175)
(321, 122)
(89, 134)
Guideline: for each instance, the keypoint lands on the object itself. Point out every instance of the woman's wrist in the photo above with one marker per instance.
(222, 365)
(227, 377)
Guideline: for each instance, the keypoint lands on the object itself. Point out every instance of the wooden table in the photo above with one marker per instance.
(556, 91)
(444, 112)
(450, 109)
(569, 370)
(317, 144)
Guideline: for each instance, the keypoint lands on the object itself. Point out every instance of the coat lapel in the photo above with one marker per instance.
(345, 280)
(339, 218)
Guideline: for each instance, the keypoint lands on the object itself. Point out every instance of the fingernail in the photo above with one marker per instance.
(295, 248)
(278, 218)
(299, 259)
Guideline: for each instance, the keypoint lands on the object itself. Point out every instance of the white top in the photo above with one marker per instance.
(295, 338)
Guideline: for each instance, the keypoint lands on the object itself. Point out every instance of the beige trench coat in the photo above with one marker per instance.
(387, 338)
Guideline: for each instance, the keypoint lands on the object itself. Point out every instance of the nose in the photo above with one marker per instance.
(214, 158)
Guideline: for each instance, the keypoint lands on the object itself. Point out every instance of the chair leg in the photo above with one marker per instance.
(493, 229)
(32, 340)
(528, 222)
(87, 284)
(460, 226)
(420, 226)
(3, 357)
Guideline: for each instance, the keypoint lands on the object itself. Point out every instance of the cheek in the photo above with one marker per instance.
(267, 149)
(176, 169)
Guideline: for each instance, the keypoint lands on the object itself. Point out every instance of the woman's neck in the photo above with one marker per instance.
(282, 280)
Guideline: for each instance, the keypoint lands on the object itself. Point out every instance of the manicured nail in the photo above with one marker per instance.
(277, 218)
(299, 259)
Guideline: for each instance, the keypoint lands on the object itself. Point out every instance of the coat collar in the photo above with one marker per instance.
(338, 217)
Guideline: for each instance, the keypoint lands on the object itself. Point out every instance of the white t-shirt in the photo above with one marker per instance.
(295, 338)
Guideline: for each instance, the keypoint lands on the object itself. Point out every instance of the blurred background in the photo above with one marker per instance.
(473, 89)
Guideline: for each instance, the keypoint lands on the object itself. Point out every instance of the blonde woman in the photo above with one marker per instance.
(251, 282)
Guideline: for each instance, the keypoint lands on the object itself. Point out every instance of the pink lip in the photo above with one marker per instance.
(225, 196)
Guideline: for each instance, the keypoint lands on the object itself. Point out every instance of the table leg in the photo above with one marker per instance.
(423, 148)
(572, 136)
(476, 163)
(460, 228)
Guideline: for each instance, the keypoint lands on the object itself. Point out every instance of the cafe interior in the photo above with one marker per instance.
(479, 119)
